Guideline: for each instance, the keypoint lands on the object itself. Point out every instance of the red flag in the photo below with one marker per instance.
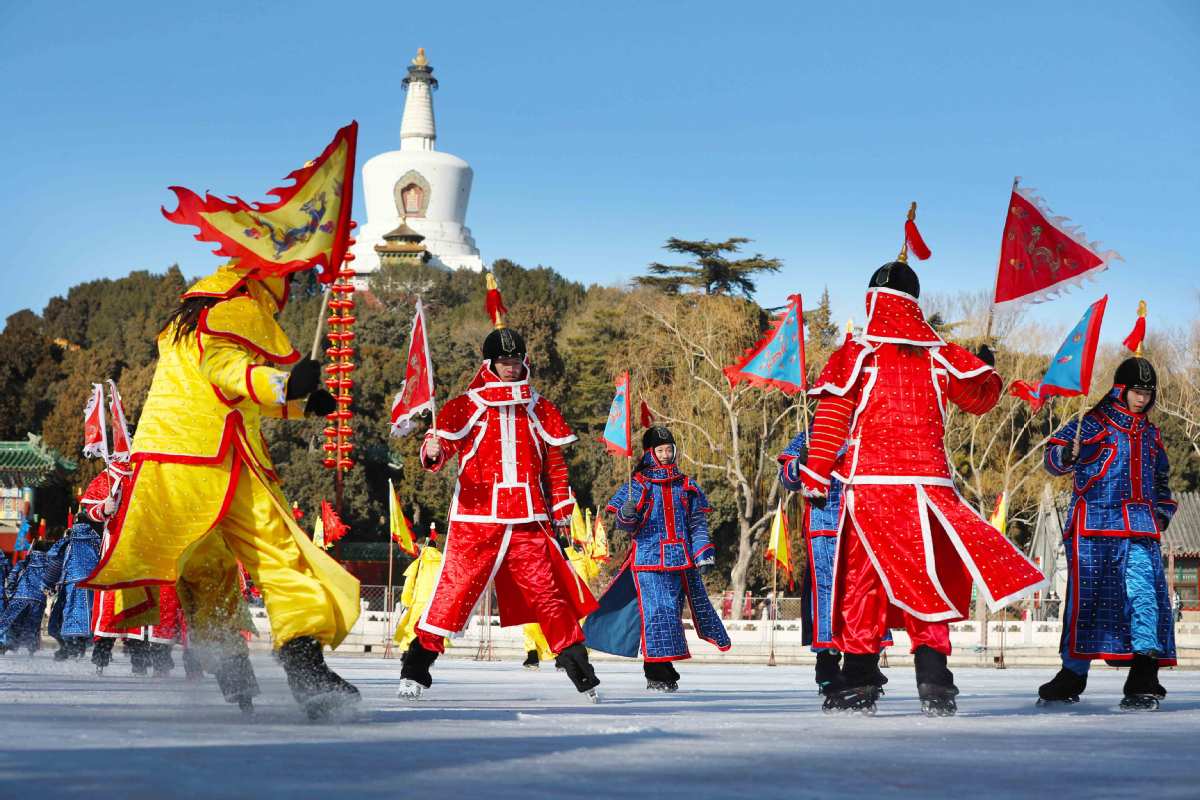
(95, 437)
(417, 394)
(1136, 336)
(120, 446)
(334, 527)
(1041, 255)
(646, 419)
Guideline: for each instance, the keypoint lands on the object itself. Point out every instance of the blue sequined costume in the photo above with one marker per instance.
(76, 555)
(642, 609)
(21, 620)
(1117, 600)
(820, 535)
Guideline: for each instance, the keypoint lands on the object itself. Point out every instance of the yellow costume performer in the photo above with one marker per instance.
(205, 494)
(536, 647)
(419, 579)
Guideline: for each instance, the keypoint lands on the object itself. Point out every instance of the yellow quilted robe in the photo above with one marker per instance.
(419, 579)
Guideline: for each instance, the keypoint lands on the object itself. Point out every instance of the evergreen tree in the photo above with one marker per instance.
(711, 270)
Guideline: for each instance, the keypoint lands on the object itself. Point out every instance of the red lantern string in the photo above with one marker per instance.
(340, 352)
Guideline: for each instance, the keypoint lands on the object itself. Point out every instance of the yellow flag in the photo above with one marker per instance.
(579, 531)
(319, 532)
(999, 518)
(778, 547)
(599, 549)
(398, 524)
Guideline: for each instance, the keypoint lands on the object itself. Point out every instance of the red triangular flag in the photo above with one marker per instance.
(334, 527)
(95, 437)
(417, 394)
(646, 419)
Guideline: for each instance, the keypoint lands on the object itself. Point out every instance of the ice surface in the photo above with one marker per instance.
(495, 730)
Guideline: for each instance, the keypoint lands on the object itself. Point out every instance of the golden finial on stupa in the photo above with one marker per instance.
(420, 60)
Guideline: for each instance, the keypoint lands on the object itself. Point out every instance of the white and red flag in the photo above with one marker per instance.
(1042, 255)
(95, 435)
(416, 395)
(120, 443)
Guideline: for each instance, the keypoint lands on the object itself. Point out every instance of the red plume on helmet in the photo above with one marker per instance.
(912, 238)
(1136, 336)
(494, 303)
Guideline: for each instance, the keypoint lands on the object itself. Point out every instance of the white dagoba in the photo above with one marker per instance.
(418, 186)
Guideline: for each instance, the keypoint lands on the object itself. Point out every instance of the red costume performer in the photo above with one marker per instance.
(511, 490)
(909, 545)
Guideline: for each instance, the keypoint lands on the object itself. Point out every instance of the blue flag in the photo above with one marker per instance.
(618, 430)
(778, 358)
(1070, 371)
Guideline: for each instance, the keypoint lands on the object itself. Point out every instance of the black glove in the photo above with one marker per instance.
(629, 509)
(985, 354)
(320, 403)
(305, 377)
(1067, 455)
(817, 501)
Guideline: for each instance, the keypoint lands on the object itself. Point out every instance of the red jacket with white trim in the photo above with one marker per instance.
(508, 440)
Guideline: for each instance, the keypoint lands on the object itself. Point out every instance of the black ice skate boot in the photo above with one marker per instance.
(661, 676)
(414, 674)
(235, 678)
(575, 661)
(63, 652)
(160, 659)
(139, 656)
(1141, 685)
(531, 660)
(1065, 688)
(193, 670)
(855, 692)
(317, 688)
(102, 653)
(935, 683)
(829, 671)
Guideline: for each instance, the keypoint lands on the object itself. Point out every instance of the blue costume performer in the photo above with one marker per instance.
(820, 536)
(76, 555)
(1118, 607)
(25, 600)
(666, 515)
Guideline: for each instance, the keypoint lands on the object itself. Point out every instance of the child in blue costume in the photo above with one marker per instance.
(665, 513)
(25, 600)
(821, 527)
(76, 555)
(1118, 607)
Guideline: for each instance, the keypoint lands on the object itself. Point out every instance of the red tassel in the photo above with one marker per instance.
(1134, 340)
(915, 242)
(495, 306)
(647, 419)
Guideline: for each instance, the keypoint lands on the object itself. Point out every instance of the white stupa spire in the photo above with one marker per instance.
(417, 128)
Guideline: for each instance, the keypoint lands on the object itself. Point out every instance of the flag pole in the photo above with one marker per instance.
(987, 335)
(771, 606)
(387, 642)
(316, 345)
(629, 432)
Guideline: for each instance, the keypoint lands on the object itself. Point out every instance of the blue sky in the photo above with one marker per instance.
(597, 131)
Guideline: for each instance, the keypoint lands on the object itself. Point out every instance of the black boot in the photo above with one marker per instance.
(193, 670)
(102, 653)
(531, 660)
(160, 659)
(63, 652)
(235, 677)
(1141, 685)
(660, 676)
(829, 671)
(575, 661)
(857, 691)
(139, 656)
(1065, 687)
(415, 669)
(935, 683)
(316, 687)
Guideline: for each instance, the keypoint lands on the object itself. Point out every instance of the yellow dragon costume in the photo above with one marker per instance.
(205, 494)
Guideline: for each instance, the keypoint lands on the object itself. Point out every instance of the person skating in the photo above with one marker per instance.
(666, 514)
(30, 581)
(71, 614)
(1117, 605)
(205, 494)
(909, 545)
(511, 488)
(820, 527)
(419, 578)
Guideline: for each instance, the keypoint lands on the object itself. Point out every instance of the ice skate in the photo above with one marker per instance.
(852, 700)
(409, 690)
(235, 678)
(937, 701)
(317, 688)
(661, 677)
(531, 660)
(1064, 688)
(575, 661)
(1141, 685)
(593, 696)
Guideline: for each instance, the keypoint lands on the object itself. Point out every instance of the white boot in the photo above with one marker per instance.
(409, 690)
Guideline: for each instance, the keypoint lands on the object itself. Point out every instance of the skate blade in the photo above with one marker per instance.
(592, 696)
(1066, 701)
(849, 712)
(1140, 704)
(531, 666)
(409, 691)
(331, 707)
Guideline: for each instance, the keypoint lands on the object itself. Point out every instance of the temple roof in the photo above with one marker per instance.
(30, 463)
(403, 233)
(1184, 531)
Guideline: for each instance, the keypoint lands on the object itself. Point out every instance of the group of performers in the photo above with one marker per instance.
(891, 542)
